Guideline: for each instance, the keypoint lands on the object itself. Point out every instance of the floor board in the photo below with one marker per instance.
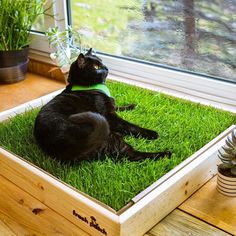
(211, 206)
(179, 223)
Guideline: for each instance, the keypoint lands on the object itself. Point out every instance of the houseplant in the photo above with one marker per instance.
(66, 46)
(16, 20)
(226, 182)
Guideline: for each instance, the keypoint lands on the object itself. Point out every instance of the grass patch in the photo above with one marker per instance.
(184, 127)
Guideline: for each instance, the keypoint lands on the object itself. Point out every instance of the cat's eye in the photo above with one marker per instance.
(95, 66)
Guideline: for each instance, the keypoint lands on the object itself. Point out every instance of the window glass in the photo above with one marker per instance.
(39, 25)
(193, 35)
(47, 16)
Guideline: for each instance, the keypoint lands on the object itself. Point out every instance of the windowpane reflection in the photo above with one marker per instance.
(193, 35)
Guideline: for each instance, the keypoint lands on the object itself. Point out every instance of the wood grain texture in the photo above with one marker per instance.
(13, 225)
(32, 216)
(179, 223)
(60, 197)
(5, 230)
(32, 87)
(213, 207)
(45, 69)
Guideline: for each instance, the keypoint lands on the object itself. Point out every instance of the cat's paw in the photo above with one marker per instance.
(150, 134)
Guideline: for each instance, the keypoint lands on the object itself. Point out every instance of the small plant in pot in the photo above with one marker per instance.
(226, 181)
(16, 20)
(66, 47)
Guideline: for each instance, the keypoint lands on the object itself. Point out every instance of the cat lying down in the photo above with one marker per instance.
(82, 123)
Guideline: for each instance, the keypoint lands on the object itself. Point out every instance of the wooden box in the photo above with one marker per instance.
(44, 205)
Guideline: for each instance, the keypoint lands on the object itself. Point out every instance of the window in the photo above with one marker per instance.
(187, 46)
(58, 9)
(192, 35)
(40, 24)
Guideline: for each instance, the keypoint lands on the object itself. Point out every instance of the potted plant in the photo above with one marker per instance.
(66, 46)
(16, 20)
(226, 181)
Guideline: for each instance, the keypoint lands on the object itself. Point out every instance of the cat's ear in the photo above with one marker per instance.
(89, 52)
(81, 61)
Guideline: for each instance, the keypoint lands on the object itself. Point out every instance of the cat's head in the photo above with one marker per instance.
(87, 70)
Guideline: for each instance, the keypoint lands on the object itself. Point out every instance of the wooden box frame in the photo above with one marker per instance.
(43, 204)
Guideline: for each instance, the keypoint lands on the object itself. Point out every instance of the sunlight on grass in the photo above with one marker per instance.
(184, 127)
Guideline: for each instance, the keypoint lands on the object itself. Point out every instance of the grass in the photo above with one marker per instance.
(184, 127)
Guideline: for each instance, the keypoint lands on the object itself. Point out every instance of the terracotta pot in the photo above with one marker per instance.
(226, 185)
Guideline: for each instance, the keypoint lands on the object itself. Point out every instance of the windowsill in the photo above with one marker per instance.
(32, 87)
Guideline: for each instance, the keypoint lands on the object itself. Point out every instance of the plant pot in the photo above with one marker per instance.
(13, 74)
(13, 57)
(226, 185)
(13, 65)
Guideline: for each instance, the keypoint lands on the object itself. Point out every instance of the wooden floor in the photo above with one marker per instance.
(206, 212)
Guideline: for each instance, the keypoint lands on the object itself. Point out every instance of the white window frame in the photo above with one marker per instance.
(174, 81)
(59, 11)
(198, 88)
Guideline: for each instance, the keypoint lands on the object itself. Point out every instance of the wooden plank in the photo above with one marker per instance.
(32, 87)
(32, 215)
(27, 106)
(211, 206)
(144, 214)
(45, 69)
(5, 230)
(62, 198)
(15, 227)
(178, 223)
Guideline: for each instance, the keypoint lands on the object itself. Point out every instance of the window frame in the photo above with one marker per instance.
(167, 79)
(185, 82)
(61, 19)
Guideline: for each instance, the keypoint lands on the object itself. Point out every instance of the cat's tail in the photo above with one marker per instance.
(97, 138)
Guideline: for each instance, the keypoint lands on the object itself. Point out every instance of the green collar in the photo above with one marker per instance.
(101, 87)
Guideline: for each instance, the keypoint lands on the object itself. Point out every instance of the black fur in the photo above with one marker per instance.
(78, 125)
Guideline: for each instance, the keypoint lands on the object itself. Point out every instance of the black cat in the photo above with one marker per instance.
(81, 122)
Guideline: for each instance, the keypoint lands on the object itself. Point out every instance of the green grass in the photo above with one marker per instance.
(184, 127)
